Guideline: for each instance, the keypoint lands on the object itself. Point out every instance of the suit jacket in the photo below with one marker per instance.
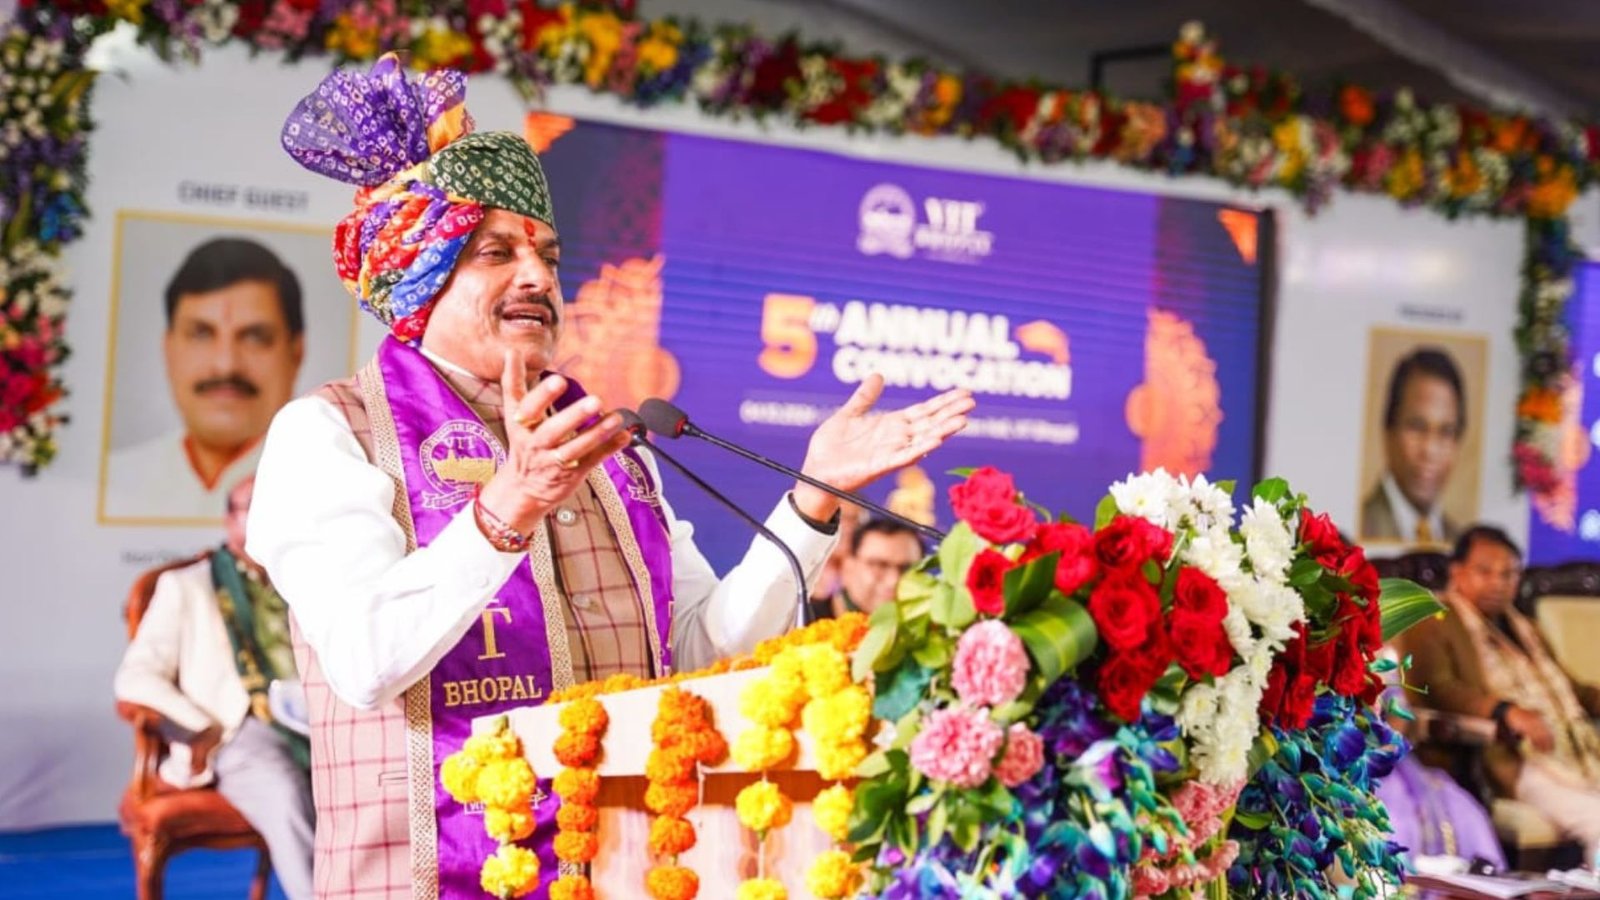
(180, 663)
(1378, 521)
(1445, 663)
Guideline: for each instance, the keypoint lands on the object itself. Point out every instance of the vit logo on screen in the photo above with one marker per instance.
(947, 229)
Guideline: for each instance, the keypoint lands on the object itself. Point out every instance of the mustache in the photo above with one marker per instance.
(541, 300)
(232, 381)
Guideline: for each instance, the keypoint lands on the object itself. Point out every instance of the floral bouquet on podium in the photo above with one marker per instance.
(1177, 701)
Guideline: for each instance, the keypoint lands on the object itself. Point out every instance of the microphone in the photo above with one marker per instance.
(635, 426)
(669, 421)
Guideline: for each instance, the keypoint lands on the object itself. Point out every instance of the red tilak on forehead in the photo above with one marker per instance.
(530, 228)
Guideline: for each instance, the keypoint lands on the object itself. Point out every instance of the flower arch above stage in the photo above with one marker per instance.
(1247, 126)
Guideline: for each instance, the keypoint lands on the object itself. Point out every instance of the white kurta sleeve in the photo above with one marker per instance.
(321, 524)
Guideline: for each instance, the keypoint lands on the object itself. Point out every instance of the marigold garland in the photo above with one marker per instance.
(490, 768)
(832, 875)
(583, 724)
(685, 738)
(762, 889)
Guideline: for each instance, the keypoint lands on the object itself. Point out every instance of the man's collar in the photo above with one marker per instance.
(1406, 516)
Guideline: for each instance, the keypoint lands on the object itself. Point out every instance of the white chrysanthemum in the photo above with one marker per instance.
(1197, 710)
(1211, 506)
(1239, 634)
(1148, 496)
(1215, 554)
(1258, 664)
(1266, 540)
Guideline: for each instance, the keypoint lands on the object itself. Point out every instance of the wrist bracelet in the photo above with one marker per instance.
(501, 536)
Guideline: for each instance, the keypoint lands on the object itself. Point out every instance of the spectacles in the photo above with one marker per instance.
(885, 567)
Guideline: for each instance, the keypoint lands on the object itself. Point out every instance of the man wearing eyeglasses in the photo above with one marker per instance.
(1487, 659)
(880, 552)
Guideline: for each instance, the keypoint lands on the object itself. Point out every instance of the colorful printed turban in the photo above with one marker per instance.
(424, 178)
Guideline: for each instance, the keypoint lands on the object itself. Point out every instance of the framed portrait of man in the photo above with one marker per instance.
(215, 325)
(1422, 445)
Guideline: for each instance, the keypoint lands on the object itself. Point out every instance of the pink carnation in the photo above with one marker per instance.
(1023, 758)
(1217, 864)
(991, 666)
(1202, 805)
(1149, 881)
(957, 744)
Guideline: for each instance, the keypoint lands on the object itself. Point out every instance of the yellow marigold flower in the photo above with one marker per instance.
(436, 47)
(836, 761)
(511, 872)
(772, 701)
(577, 785)
(761, 748)
(659, 50)
(831, 809)
(833, 875)
(671, 835)
(603, 30)
(672, 883)
(826, 670)
(506, 783)
(489, 747)
(571, 887)
(459, 775)
(844, 716)
(763, 889)
(587, 716)
(507, 825)
(576, 846)
(762, 807)
(577, 817)
(132, 10)
(352, 41)
(788, 665)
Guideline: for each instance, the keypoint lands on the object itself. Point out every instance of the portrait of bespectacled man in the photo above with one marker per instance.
(216, 325)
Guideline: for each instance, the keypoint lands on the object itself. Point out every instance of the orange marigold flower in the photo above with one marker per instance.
(577, 785)
(577, 748)
(671, 799)
(577, 817)
(571, 887)
(670, 764)
(577, 846)
(672, 883)
(586, 715)
(671, 835)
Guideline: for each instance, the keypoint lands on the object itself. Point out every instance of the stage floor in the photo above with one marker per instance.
(94, 861)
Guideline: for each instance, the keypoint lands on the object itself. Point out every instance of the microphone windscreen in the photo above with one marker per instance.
(662, 418)
(631, 422)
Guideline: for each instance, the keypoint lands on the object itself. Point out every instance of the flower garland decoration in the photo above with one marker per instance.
(810, 683)
(583, 725)
(490, 769)
(1246, 125)
(684, 739)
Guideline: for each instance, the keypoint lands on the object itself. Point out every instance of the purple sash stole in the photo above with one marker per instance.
(432, 441)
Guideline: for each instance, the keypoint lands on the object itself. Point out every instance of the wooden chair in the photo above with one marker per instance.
(160, 820)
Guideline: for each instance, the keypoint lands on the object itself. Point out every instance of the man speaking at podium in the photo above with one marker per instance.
(458, 532)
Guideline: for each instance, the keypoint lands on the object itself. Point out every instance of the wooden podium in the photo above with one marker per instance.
(725, 852)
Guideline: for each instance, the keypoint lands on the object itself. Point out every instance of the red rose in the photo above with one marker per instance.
(1319, 534)
(1298, 701)
(987, 501)
(1272, 695)
(1124, 607)
(1123, 682)
(1373, 689)
(1352, 565)
(1199, 594)
(986, 581)
(1075, 543)
(1350, 671)
(1200, 644)
(1127, 542)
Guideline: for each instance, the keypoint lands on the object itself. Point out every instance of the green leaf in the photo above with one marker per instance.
(1320, 603)
(1105, 512)
(956, 553)
(898, 692)
(1058, 635)
(1403, 604)
(961, 471)
(1226, 485)
(875, 765)
(882, 628)
(935, 652)
(958, 612)
(1272, 490)
(1255, 821)
(914, 586)
(1264, 749)
(1165, 692)
(1028, 585)
(938, 821)
(1007, 713)
(1305, 572)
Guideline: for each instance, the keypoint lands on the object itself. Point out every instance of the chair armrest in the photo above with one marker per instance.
(148, 745)
(1451, 728)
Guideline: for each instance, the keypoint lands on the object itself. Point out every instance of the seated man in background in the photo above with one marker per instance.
(1486, 659)
(212, 640)
(880, 551)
